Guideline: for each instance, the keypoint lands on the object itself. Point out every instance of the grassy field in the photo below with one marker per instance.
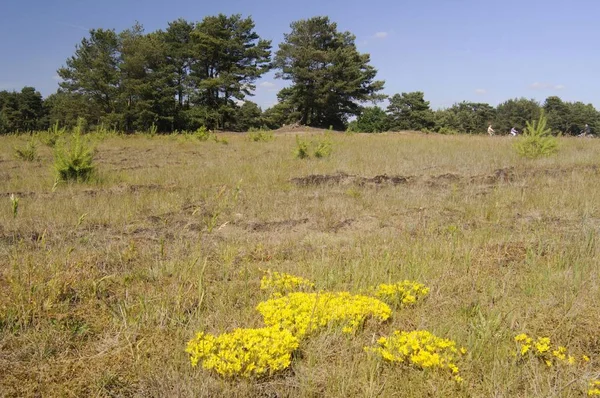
(102, 284)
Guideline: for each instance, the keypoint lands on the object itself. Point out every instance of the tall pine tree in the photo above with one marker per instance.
(330, 78)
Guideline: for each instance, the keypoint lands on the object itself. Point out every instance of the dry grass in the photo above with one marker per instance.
(102, 284)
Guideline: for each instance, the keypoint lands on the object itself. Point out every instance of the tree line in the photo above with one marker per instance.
(410, 111)
(202, 74)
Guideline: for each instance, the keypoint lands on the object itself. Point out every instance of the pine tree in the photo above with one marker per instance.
(329, 76)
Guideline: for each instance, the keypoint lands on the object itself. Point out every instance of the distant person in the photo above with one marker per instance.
(490, 130)
(514, 132)
(585, 132)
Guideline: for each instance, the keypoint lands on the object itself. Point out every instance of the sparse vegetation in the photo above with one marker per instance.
(27, 152)
(260, 135)
(102, 285)
(318, 147)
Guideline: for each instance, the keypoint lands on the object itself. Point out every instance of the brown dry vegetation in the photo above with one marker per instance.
(102, 284)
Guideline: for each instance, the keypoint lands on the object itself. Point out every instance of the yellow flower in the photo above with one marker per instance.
(244, 352)
(305, 313)
(401, 293)
(594, 388)
(542, 344)
(280, 284)
(420, 349)
(521, 338)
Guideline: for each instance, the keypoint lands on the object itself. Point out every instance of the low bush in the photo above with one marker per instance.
(74, 161)
(537, 140)
(28, 152)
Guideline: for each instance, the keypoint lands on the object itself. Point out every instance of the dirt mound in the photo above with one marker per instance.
(500, 175)
(298, 129)
(384, 179)
(443, 179)
(276, 225)
(343, 178)
(322, 179)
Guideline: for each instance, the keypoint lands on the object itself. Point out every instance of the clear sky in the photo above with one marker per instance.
(453, 50)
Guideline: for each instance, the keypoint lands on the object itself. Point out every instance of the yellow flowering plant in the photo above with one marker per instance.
(304, 313)
(244, 352)
(402, 293)
(594, 388)
(542, 348)
(420, 349)
(280, 284)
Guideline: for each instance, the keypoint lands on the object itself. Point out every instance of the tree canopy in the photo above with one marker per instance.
(329, 76)
(191, 75)
(202, 74)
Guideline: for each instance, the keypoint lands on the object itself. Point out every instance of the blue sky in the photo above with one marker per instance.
(453, 50)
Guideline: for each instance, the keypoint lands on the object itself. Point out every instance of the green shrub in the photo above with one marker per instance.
(323, 148)
(74, 161)
(28, 152)
(320, 148)
(537, 140)
(302, 150)
(153, 130)
(53, 134)
(447, 131)
(81, 126)
(203, 134)
(260, 135)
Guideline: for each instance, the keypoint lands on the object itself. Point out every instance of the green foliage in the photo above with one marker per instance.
(537, 140)
(371, 120)
(280, 114)
(447, 131)
(466, 117)
(51, 137)
(320, 148)
(323, 148)
(302, 148)
(329, 76)
(81, 127)
(28, 152)
(153, 130)
(515, 113)
(260, 135)
(132, 79)
(203, 134)
(410, 111)
(247, 117)
(74, 161)
(22, 111)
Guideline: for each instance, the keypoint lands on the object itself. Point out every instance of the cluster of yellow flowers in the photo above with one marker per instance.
(279, 283)
(291, 314)
(542, 348)
(594, 388)
(401, 293)
(421, 349)
(304, 313)
(244, 352)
